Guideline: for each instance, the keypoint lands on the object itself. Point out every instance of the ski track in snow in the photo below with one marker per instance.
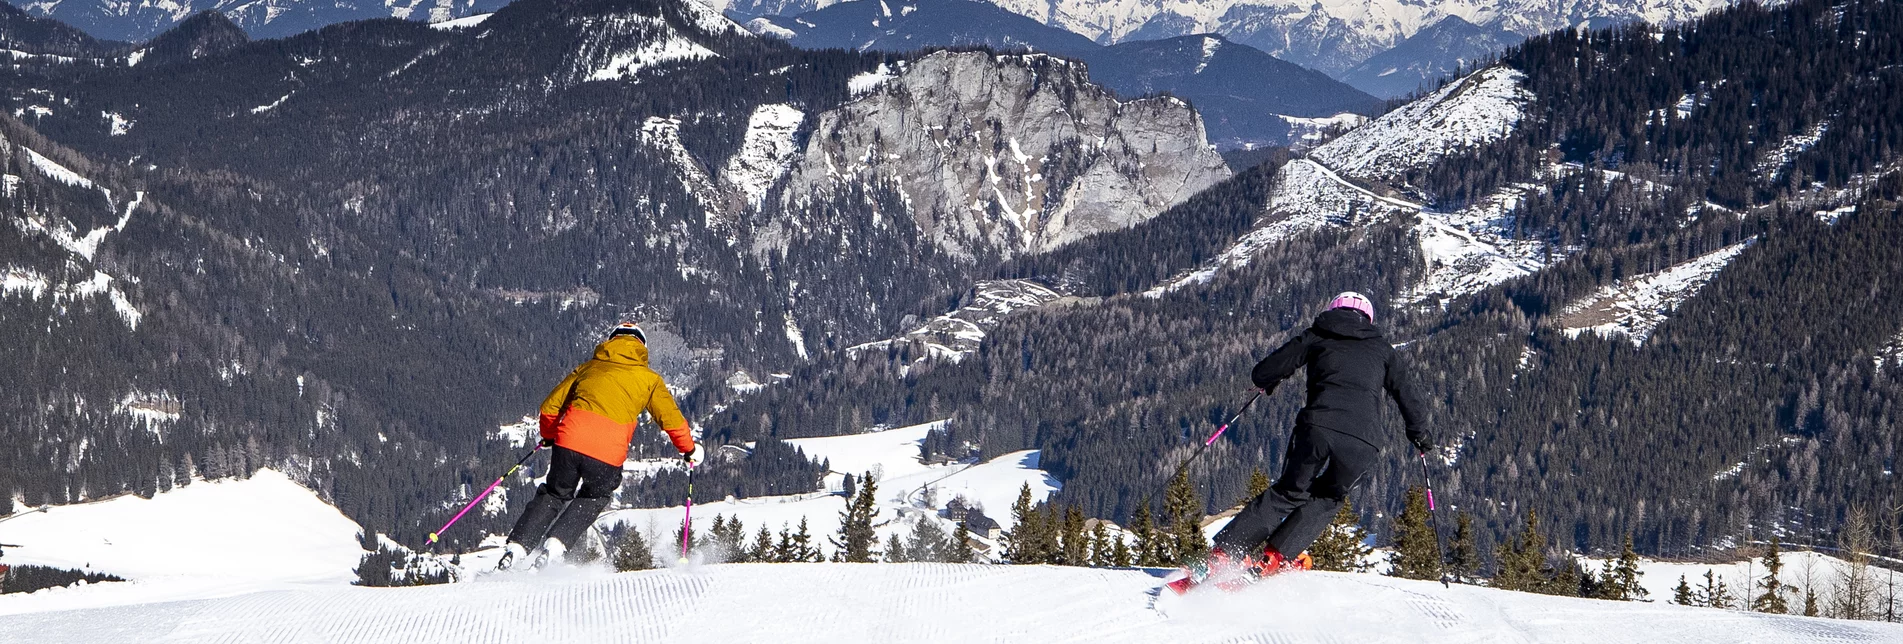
(829, 603)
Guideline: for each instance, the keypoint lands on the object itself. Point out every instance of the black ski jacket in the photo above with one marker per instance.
(1349, 365)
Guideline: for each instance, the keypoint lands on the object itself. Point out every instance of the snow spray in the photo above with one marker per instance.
(434, 536)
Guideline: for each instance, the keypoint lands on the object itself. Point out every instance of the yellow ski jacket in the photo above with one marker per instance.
(595, 409)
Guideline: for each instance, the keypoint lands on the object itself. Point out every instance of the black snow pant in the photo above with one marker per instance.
(577, 490)
(1323, 465)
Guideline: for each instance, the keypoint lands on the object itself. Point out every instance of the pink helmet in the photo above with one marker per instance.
(1353, 300)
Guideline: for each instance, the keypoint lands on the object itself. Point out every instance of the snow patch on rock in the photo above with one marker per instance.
(461, 23)
(1476, 110)
(956, 335)
(1891, 355)
(1633, 307)
(767, 151)
(627, 64)
(864, 82)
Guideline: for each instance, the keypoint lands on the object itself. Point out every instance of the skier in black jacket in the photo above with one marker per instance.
(1337, 436)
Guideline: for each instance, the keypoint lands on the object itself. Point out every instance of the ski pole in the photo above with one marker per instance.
(434, 536)
(1212, 440)
(1440, 555)
(687, 518)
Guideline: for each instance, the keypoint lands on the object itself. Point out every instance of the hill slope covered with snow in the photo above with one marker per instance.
(919, 603)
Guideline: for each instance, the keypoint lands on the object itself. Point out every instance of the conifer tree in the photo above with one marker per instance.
(1020, 543)
(1564, 579)
(802, 545)
(1258, 483)
(1416, 552)
(1047, 544)
(856, 537)
(1150, 546)
(1621, 581)
(895, 551)
(785, 550)
(1682, 593)
(1772, 599)
(631, 552)
(1463, 556)
(1075, 547)
(1714, 593)
(1810, 602)
(1184, 509)
(762, 546)
(1521, 559)
(1120, 552)
(960, 549)
(1100, 547)
(1343, 547)
(928, 542)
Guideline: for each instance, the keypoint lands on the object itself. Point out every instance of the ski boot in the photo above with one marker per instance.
(1273, 562)
(511, 553)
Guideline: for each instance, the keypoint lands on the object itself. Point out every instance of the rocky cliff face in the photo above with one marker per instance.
(1004, 154)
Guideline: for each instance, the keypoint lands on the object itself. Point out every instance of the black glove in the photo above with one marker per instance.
(1422, 442)
(548, 442)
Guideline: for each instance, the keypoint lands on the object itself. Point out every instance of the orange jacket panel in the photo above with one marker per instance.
(594, 410)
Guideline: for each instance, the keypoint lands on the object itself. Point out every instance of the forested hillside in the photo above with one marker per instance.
(355, 254)
(1760, 403)
(1645, 274)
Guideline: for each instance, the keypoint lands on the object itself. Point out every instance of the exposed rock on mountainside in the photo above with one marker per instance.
(1007, 154)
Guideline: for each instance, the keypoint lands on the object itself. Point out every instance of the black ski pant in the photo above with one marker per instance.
(578, 488)
(1323, 465)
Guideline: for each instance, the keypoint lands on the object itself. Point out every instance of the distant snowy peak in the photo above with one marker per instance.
(1332, 35)
(139, 20)
(1633, 307)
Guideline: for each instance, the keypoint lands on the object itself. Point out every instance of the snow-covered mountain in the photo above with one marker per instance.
(1352, 181)
(1332, 36)
(138, 20)
(1246, 97)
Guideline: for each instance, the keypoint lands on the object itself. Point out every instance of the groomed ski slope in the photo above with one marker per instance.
(833, 603)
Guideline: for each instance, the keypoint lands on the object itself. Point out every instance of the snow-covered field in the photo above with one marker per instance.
(916, 603)
(265, 560)
(908, 489)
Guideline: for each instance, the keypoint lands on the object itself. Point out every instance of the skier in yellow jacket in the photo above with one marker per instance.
(589, 419)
